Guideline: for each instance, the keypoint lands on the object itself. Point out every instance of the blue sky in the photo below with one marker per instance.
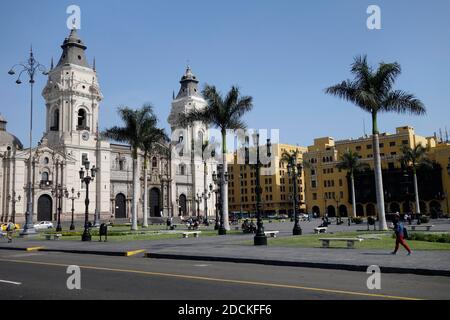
(283, 53)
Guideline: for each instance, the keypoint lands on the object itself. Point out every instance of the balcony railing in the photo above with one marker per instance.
(83, 127)
(46, 183)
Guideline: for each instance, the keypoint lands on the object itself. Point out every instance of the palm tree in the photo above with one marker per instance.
(131, 132)
(350, 162)
(415, 158)
(224, 113)
(372, 91)
(150, 136)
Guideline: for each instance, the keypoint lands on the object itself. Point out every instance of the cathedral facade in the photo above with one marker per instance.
(72, 102)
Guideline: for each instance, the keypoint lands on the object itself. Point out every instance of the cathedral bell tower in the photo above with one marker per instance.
(188, 170)
(72, 96)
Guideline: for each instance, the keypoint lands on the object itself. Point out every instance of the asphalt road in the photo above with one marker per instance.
(41, 275)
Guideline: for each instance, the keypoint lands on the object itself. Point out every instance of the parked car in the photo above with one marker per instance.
(43, 225)
(4, 225)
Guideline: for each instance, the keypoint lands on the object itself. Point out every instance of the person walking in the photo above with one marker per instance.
(10, 227)
(400, 234)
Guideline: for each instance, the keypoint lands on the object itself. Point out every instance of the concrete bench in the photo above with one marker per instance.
(422, 227)
(320, 230)
(350, 241)
(55, 236)
(187, 233)
(272, 234)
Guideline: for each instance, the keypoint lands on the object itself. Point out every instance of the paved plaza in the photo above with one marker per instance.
(237, 248)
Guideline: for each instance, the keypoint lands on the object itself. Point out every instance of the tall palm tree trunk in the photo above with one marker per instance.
(135, 191)
(378, 174)
(145, 213)
(416, 193)
(352, 178)
(205, 190)
(223, 184)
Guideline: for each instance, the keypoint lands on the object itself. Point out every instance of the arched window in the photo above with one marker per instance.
(44, 176)
(182, 168)
(200, 137)
(82, 122)
(55, 121)
(154, 162)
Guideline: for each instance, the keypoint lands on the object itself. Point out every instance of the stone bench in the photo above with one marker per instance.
(272, 234)
(422, 226)
(55, 236)
(195, 233)
(320, 230)
(350, 241)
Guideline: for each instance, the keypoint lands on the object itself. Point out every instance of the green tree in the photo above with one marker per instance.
(372, 91)
(224, 113)
(134, 125)
(350, 162)
(415, 158)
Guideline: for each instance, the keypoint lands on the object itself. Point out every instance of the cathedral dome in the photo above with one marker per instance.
(7, 139)
(73, 51)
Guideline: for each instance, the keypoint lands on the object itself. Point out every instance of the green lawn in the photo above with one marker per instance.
(387, 242)
(123, 233)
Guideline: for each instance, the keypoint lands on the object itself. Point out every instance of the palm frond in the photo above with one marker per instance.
(385, 76)
(402, 102)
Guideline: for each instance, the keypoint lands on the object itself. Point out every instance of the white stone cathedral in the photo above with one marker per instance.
(177, 184)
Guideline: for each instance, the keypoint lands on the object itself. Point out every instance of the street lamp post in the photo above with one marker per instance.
(221, 180)
(30, 67)
(260, 238)
(294, 171)
(14, 200)
(206, 196)
(73, 197)
(216, 192)
(59, 192)
(87, 179)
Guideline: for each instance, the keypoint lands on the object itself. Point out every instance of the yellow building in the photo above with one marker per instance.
(277, 186)
(328, 190)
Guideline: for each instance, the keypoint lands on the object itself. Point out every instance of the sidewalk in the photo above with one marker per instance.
(230, 249)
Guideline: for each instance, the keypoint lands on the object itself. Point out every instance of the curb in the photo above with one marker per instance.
(94, 252)
(302, 264)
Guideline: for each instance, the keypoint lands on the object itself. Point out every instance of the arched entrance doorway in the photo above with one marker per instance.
(343, 210)
(423, 207)
(121, 206)
(370, 209)
(331, 211)
(182, 209)
(359, 210)
(435, 208)
(155, 210)
(44, 212)
(316, 210)
(394, 207)
(407, 208)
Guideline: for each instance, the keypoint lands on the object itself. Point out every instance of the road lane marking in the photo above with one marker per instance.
(242, 282)
(34, 248)
(11, 282)
(132, 253)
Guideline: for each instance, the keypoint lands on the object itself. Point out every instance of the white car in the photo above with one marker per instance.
(43, 225)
